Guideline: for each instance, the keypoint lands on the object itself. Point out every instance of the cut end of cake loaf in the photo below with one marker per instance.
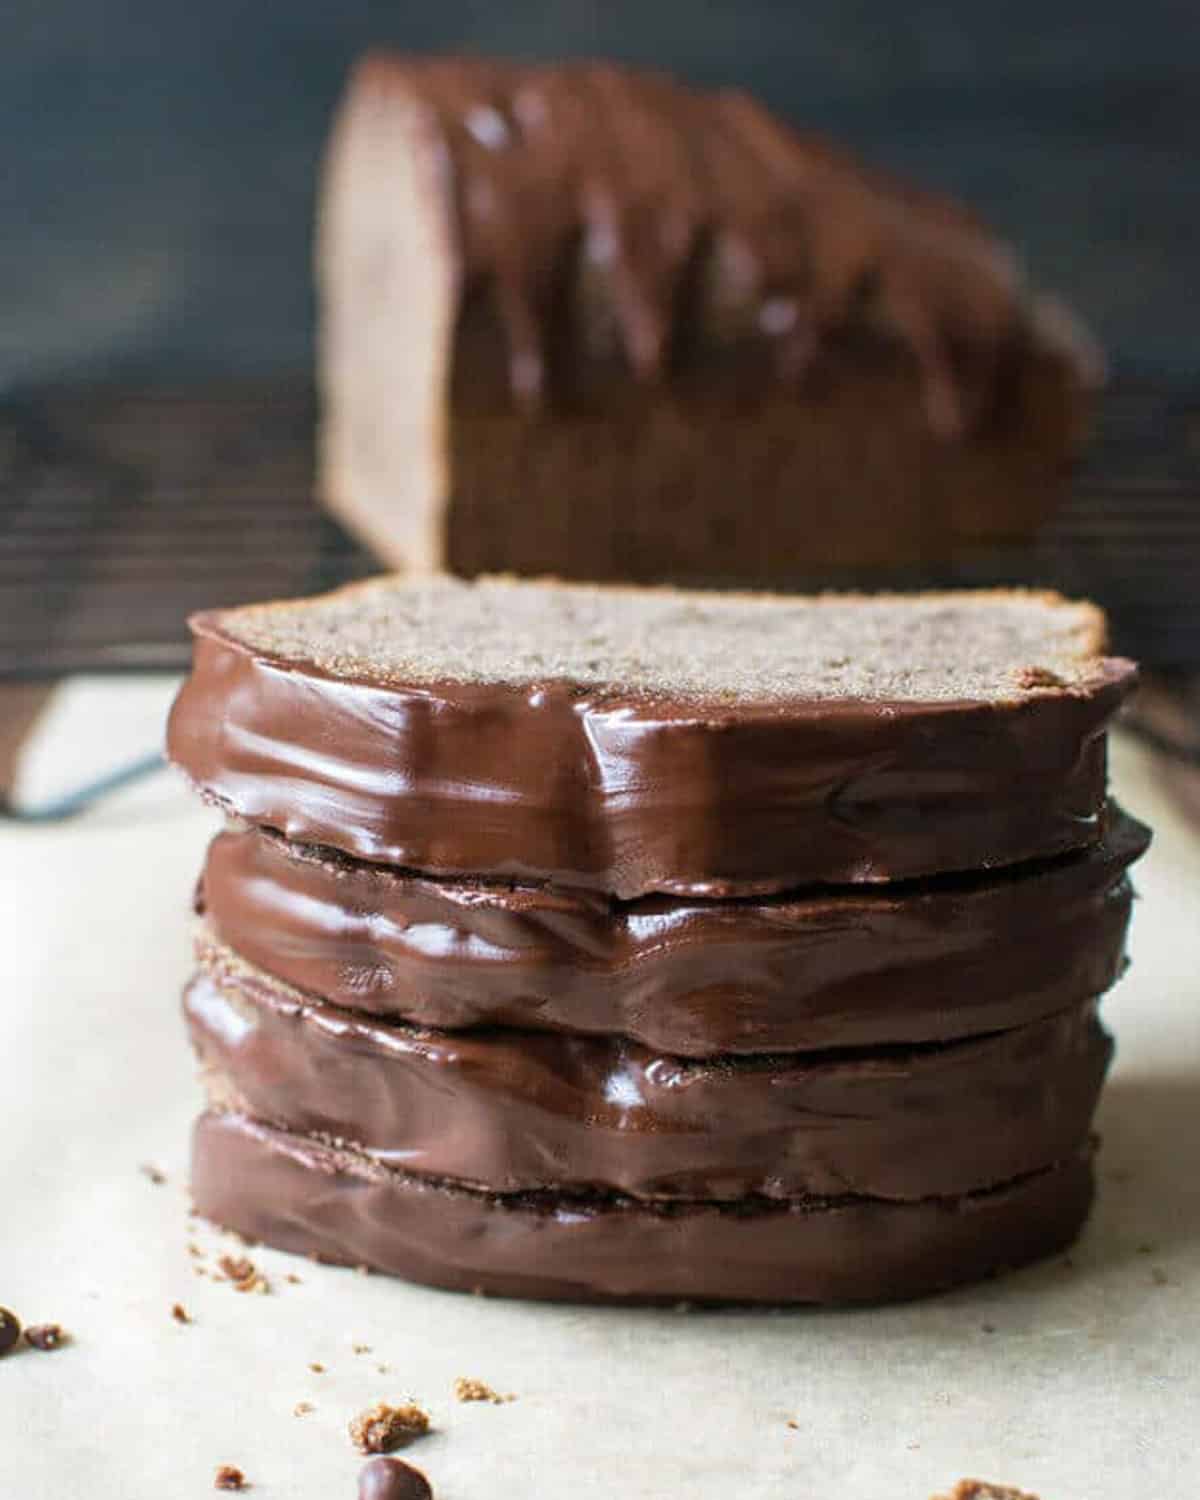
(973, 646)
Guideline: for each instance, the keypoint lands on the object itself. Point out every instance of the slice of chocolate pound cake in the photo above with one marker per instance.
(510, 1111)
(304, 1194)
(927, 961)
(607, 943)
(653, 740)
(586, 321)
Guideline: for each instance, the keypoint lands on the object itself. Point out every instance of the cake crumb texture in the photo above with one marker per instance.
(383, 1428)
(986, 645)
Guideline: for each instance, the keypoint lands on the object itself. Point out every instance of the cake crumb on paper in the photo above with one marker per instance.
(46, 1336)
(383, 1428)
(180, 1313)
(979, 1489)
(468, 1389)
(244, 1275)
(302, 1408)
(230, 1477)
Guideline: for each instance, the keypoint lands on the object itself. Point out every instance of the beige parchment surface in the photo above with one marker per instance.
(1078, 1382)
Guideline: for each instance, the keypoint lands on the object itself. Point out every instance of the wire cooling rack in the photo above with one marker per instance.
(121, 510)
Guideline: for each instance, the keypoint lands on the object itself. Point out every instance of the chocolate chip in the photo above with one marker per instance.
(392, 1479)
(10, 1330)
(45, 1336)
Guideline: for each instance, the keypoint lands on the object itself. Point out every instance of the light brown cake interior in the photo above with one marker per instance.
(991, 646)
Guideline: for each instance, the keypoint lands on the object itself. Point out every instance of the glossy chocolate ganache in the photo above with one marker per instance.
(312, 1198)
(797, 972)
(511, 1111)
(616, 216)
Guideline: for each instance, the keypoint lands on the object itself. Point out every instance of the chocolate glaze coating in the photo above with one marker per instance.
(788, 973)
(300, 1195)
(616, 218)
(510, 1112)
(626, 794)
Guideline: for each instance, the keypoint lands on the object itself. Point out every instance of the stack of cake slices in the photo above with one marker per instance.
(578, 942)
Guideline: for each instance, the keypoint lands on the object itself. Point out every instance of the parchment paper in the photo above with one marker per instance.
(1077, 1381)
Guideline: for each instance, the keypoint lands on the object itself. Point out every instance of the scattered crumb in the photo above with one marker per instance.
(45, 1336)
(1160, 1277)
(317, 1368)
(978, 1489)
(156, 1175)
(383, 1428)
(384, 1369)
(302, 1408)
(230, 1478)
(195, 1252)
(988, 1327)
(794, 1425)
(293, 1279)
(180, 1313)
(243, 1273)
(361, 1348)
(468, 1389)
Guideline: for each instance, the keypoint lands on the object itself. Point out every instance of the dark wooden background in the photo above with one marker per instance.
(158, 155)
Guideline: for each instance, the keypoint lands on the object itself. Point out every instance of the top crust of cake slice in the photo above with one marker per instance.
(969, 646)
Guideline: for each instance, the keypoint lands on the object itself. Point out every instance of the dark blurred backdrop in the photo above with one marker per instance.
(159, 155)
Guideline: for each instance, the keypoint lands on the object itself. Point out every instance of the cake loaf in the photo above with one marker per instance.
(656, 740)
(583, 320)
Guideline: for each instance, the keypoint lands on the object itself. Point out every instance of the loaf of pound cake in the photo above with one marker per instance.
(584, 320)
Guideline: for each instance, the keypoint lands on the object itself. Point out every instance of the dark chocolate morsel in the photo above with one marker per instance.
(45, 1336)
(10, 1330)
(392, 1479)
